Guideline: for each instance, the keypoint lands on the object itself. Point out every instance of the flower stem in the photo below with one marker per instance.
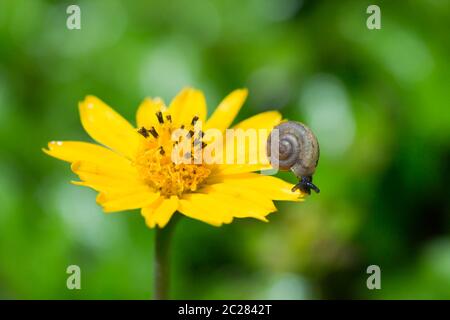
(162, 261)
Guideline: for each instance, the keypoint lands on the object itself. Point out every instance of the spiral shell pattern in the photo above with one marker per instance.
(298, 149)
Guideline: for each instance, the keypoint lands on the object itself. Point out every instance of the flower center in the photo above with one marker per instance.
(154, 159)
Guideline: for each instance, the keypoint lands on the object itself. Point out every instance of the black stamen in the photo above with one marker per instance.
(153, 132)
(190, 134)
(204, 145)
(182, 126)
(143, 131)
(194, 120)
(169, 118)
(160, 117)
(161, 150)
(201, 134)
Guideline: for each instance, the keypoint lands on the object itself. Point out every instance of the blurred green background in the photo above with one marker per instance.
(378, 101)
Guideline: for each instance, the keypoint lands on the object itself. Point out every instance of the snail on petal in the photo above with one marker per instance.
(298, 151)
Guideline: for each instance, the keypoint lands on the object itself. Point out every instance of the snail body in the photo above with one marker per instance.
(298, 151)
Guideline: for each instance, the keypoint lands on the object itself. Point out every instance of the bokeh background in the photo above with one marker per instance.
(378, 101)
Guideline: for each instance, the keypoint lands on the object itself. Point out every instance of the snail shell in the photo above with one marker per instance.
(298, 149)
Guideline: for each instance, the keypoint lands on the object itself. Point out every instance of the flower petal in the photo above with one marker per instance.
(258, 198)
(72, 151)
(228, 169)
(265, 120)
(187, 104)
(269, 186)
(105, 169)
(160, 212)
(120, 201)
(116, 188)
(227, 110)
(243, 208)
(104, 177)
(102, 182)
(146, 114)
(107, 127)
(216, 207)
(198, 206)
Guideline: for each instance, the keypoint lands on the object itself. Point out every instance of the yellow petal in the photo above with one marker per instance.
(265, 120)
(102, 182)
(216, 207)
(72, 151)
(258, 198)
(243, 208)
(115, 188)
(100, 177)
(146, 114)
(106, 169)
(227, 110)
(197, 206)
(227, 169)
(160, 212)
(269, 186)
(107, 127)
(187, 104)
(113, 202)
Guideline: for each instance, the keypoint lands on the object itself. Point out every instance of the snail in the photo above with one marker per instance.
(298, 151)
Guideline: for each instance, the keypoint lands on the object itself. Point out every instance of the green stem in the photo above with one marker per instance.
(162, 261)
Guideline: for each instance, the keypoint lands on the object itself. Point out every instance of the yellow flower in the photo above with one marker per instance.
(134, 170)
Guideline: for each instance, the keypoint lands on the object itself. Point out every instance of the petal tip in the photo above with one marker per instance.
(55, 143)
(75, 166)
(51, 147)
(243, 91)
(101, 197)
(89, 102)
